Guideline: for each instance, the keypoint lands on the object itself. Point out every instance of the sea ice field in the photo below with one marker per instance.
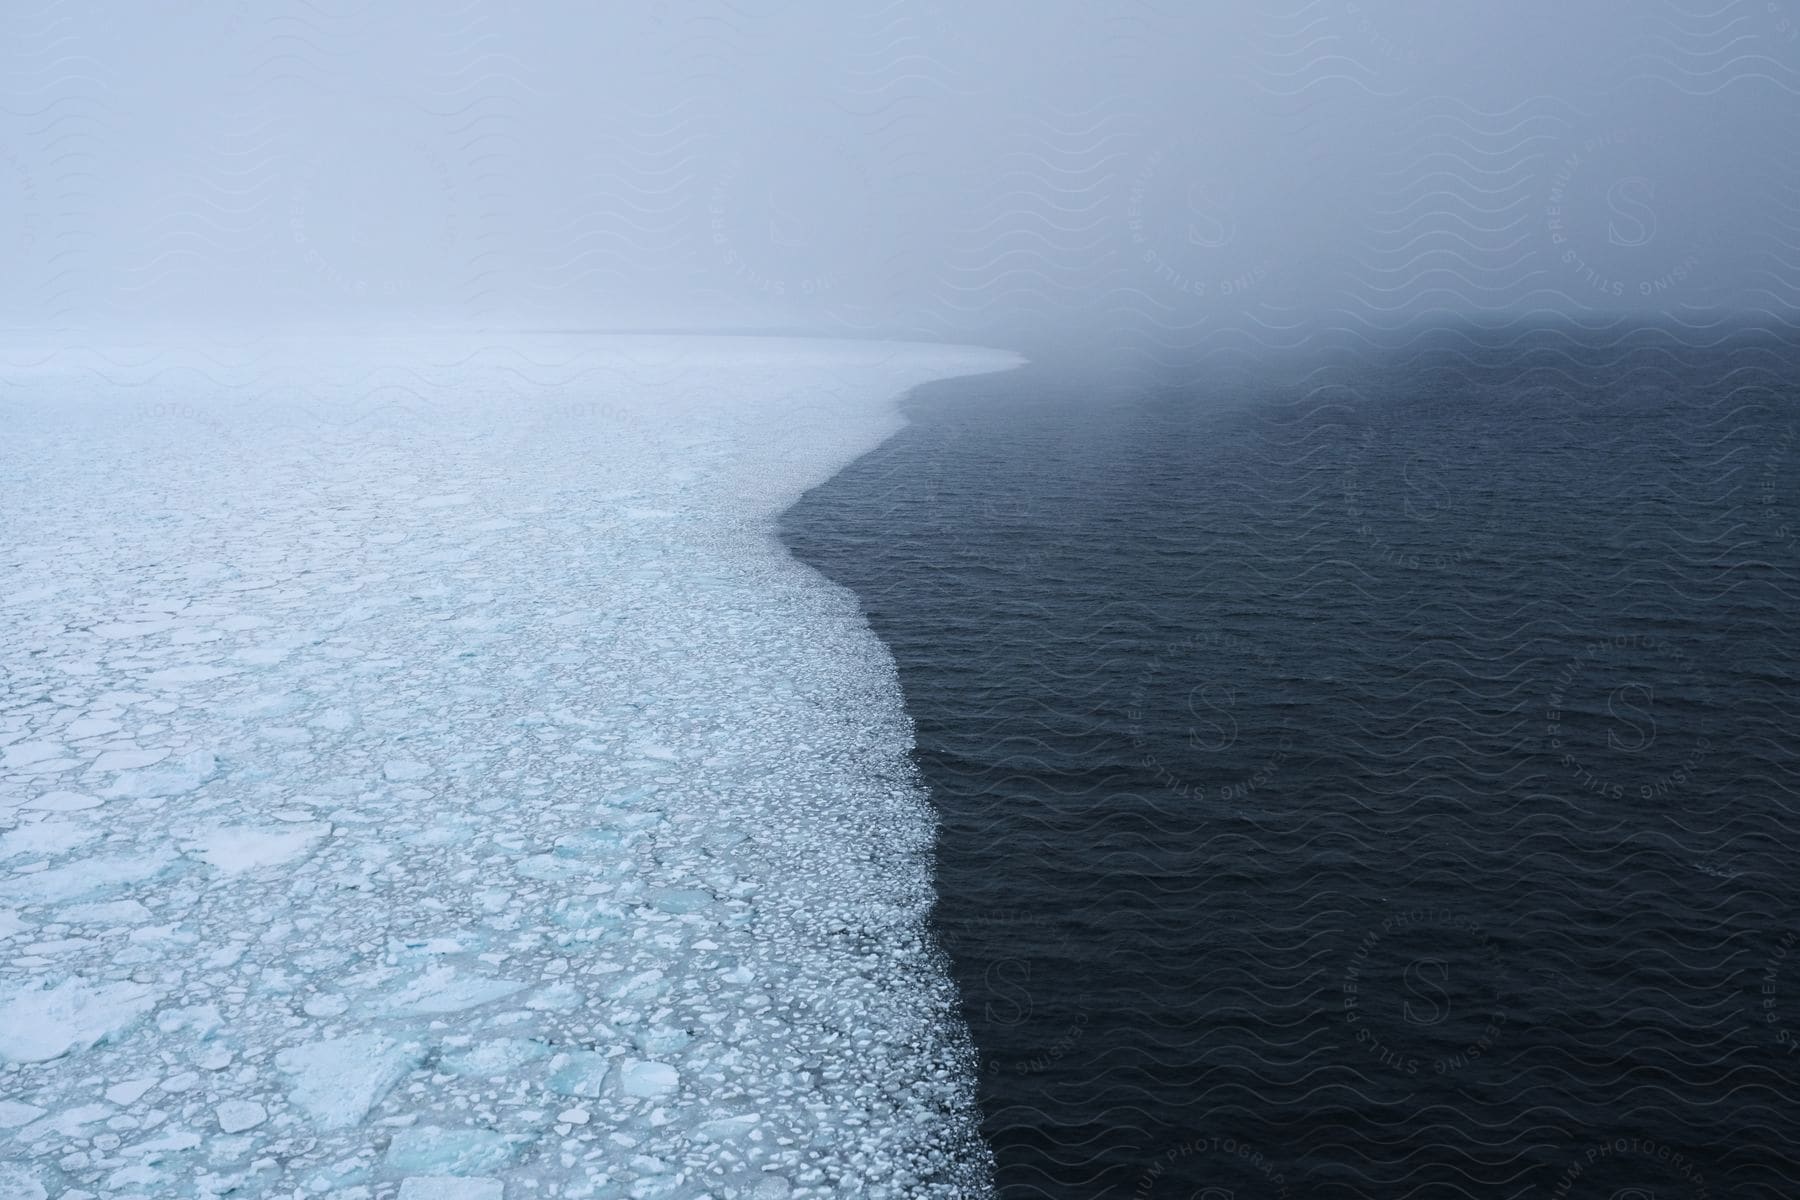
(423, 774)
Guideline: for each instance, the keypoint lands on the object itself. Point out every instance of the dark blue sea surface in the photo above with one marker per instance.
(1372, 777)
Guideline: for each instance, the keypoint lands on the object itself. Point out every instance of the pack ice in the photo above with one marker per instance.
(423, 774)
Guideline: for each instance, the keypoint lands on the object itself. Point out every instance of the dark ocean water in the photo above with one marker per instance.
(1374, 778)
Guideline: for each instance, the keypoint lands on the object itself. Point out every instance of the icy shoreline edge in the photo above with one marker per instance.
(425, 771)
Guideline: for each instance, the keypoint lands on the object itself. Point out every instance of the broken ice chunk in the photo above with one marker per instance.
(725, 1129)
(114, 912)
(239, 848)
(25, 754)
(235, 1116)
(450, 1187)
(443, 990)
(171, 677)
(63, 802)
(496, 1057)
(582, 1074)
(128, 760)
(436, 1150)
(21, 1182)
(14, 1114)
(166, 779)
(46, 837)
(125, 1094)
(38, 1024)
(676, 901)
(647, 1079)
(79, 880)
(336, 1082)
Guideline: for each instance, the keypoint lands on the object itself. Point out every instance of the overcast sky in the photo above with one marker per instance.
(936, 167)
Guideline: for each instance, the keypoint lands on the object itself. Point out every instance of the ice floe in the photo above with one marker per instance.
(245, 848)
(446, 786)
(336, 1082)
(235, 1116)
(39, 1021)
